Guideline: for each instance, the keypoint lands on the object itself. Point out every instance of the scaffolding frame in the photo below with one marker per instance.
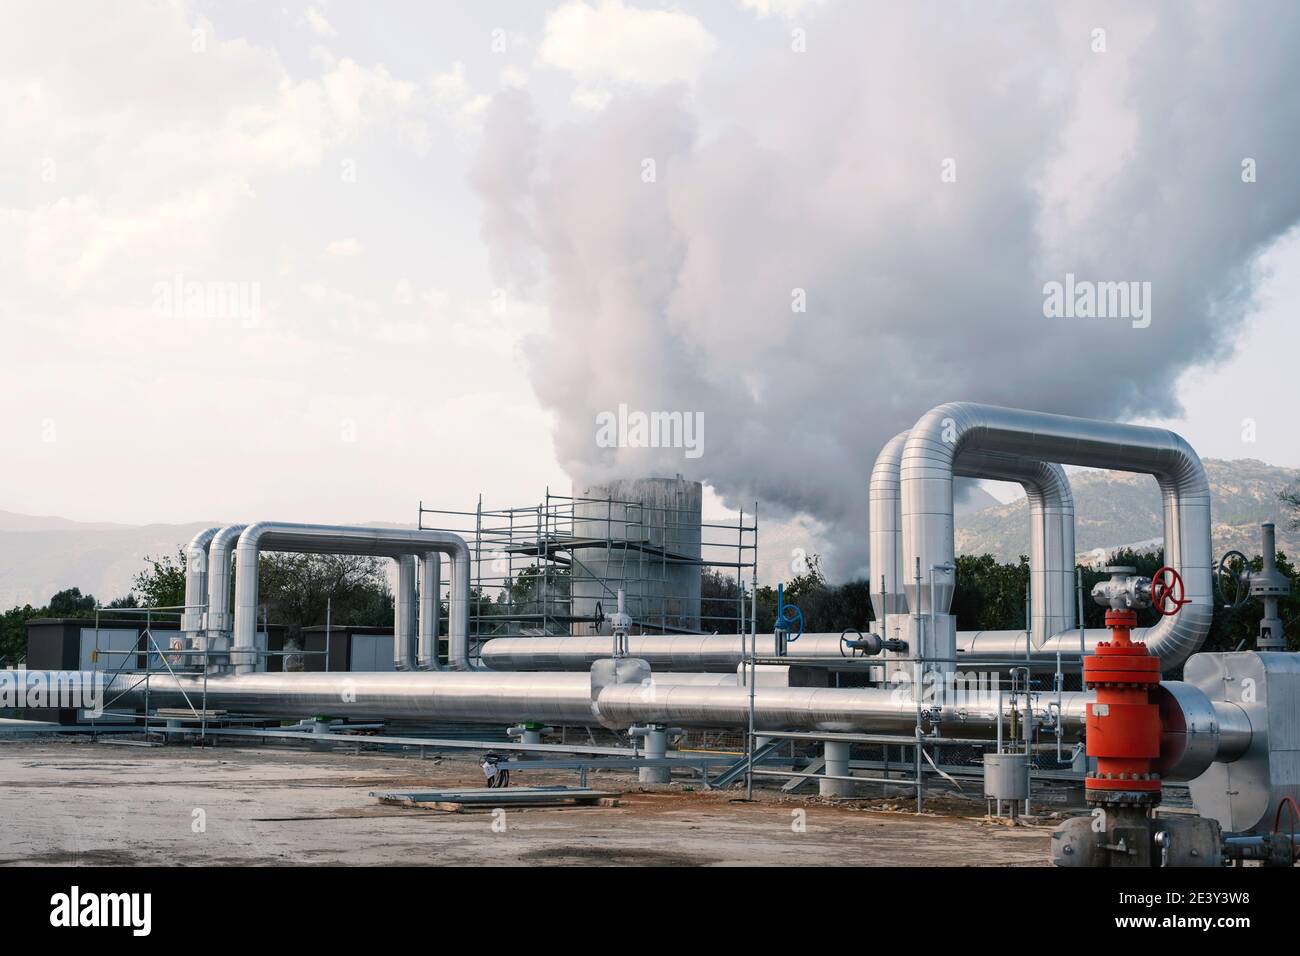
(524, 560)
(175, 661)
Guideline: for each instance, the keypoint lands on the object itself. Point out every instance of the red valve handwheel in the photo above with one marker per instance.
(1167, 593)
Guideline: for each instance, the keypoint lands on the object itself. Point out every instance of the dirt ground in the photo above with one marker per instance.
(78, 802)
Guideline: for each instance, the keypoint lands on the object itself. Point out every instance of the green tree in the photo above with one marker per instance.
(989, 596)
(294, 589)
(825, 607)
(13, 632)
(162, 583)
(297, 589)
(70, 602)
(719, 597)
(532, 591)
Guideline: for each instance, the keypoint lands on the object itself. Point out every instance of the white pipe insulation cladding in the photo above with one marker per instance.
(619, 694)
(949, 431)
(196, 584)
(219, 621)
(404, 615)
(396, 543)
(430, 609)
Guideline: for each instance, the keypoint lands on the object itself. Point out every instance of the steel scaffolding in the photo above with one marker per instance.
(523, 562)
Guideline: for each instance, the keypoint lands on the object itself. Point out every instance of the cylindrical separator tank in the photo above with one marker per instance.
(643, 536)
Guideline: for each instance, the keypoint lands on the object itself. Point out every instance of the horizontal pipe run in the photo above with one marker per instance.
(942, 714)
(723, 653)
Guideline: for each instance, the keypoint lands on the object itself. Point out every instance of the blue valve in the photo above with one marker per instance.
(786, 615)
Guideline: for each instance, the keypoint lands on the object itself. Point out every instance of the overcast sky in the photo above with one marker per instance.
(319, 261)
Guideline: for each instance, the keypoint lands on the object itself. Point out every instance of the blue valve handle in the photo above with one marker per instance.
(784, 620)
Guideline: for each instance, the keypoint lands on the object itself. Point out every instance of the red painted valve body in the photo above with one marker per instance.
(1123, 725)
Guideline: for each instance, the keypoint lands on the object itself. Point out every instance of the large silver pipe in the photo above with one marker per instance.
(196, 585)
(344, 539)
(404, 615)
(1051, 538)
(1051, 533)
(219, 621)
(674, 653)
(868, 709)
(885, 535)
(946, 432)
(723, 653)
(1195, 731)
(405, 695)
(711, 700)
(430, 609)
(402, 695)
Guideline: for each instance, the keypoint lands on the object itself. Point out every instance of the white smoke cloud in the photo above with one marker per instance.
(918, 175)
(611, 46)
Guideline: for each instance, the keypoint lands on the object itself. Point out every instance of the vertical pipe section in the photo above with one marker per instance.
(458, 612)
(885, 537)
(196, 585)
(219, 622)
(836, 753)
(404, 615)
(430, 608)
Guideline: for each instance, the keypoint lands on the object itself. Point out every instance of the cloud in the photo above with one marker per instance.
(318, 24)
(781, 8)
(823, 183)
(153, 147)
(610, 47)
(146, 177)
(344, 248)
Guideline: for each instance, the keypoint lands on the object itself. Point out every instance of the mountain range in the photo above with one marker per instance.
(40, 555)
(1118, 509)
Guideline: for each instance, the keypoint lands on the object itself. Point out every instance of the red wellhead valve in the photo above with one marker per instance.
(1123, 724)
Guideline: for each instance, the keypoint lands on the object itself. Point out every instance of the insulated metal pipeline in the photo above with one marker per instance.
(675, 700)
(1196, 731)
(430, 608)
(870, 709)
(886, 533)
(723, 653)
(344, 539)
(1051, 533)
(404, 615)
(949, 431)
(219, 620)
(196, 584)
(688, 653)
(405, 695)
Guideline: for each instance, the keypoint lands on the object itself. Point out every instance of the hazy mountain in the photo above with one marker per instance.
(42, 555)
(12, 521)
(99, 559)
(1115, 509)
